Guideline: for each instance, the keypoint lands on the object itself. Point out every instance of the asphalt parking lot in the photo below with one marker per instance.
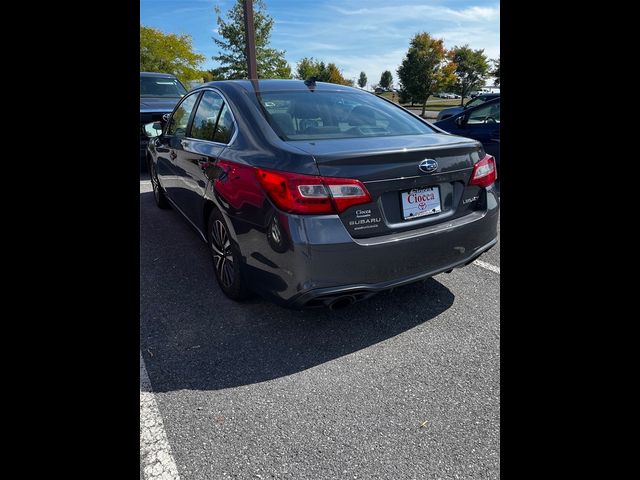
(405, 385)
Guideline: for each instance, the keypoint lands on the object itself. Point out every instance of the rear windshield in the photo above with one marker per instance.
(330, 115)
(161, 87)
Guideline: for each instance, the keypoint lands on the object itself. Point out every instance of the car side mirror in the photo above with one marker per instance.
(153, 129)
(461, 121)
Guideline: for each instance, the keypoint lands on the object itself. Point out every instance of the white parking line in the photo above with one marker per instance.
(488, 266)
(155, 452)
(145, 186)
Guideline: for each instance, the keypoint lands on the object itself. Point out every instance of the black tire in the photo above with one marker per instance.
(226, 258)
(158, 192)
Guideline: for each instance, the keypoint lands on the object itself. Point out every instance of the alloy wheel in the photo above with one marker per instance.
(154, 182)
(222, 254)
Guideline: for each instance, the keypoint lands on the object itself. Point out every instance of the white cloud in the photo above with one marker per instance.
(481, 14)
(478, 38)
(396, 13)
(376, 38)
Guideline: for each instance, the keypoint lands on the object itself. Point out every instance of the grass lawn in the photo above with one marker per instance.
(433, 104)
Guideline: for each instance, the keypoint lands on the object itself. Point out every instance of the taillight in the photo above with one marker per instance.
(484, 172)
(308, 194)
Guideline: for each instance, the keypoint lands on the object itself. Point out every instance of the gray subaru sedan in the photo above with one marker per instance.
(319, 195)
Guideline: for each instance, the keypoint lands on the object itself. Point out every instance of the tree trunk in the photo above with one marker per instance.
(424, 106)
(462, 98)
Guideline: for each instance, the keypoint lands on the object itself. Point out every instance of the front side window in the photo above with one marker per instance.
(180, 119)
(204, 122)
(475, 102)
(305, 115)
(485, 114)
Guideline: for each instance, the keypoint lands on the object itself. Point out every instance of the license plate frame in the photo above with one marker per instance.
(420, 202)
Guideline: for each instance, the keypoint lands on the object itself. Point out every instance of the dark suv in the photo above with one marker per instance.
(477, 100)
(316, 194)
(159, 93)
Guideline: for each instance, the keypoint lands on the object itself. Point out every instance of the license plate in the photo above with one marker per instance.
(420, 202)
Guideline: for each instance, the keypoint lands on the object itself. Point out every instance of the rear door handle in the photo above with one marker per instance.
(173, 155)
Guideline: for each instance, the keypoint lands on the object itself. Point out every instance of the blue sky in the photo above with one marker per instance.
(358, 35)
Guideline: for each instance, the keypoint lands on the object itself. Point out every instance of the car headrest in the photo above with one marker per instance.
(305, 109)
(361, 115)
(284, 121)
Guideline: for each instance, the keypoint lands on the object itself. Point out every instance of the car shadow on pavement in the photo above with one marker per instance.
(193, 337)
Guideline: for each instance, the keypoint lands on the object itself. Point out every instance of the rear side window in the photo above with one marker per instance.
(226, 128)
(180, 118)
(305, 115)
(204, 122)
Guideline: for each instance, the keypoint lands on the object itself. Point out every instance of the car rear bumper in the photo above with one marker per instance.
(323, 262)
(351, 293)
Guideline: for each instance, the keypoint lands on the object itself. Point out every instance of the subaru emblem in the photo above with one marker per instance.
(428, 165)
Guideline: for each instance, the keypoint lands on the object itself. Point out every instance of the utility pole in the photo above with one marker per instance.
(250, 40)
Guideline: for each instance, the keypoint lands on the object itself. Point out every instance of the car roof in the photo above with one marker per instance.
(156, 74)
(276, 85)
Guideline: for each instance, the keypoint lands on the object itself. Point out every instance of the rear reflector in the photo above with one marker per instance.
(484, 172)
(309, 194)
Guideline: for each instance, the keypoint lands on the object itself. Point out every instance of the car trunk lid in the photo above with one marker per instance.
(400, 191)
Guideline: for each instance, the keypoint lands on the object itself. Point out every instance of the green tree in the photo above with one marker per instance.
(386, 80)
(362, 81)
(232, 58)
(471, 69)
(496, 72)
(424, 69)
(169, 53)
(309, 67)
(334, 75)
(403, 96)
(207, 76)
